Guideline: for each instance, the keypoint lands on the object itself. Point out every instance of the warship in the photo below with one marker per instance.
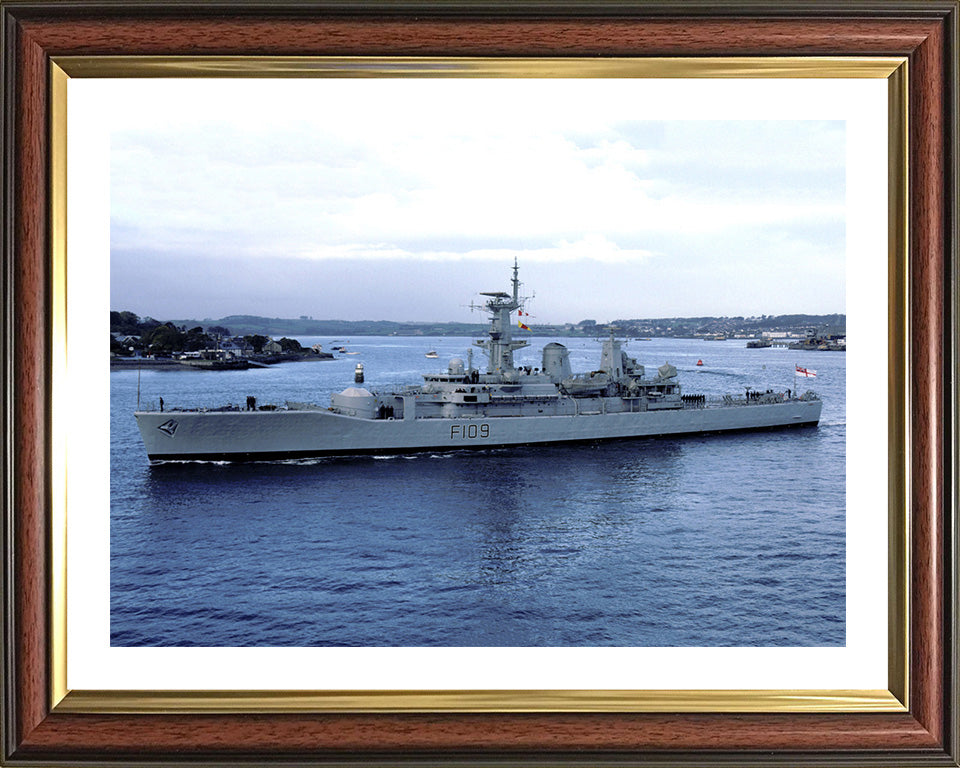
(464, 407)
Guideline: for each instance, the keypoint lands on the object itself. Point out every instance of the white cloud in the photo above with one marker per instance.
(537, 186)
(591, 247)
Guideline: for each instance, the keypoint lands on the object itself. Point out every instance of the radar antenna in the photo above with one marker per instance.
(500, 345)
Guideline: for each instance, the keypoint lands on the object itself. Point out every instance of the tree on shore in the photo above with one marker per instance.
(125, 322)
(164, 339)
(256, 341)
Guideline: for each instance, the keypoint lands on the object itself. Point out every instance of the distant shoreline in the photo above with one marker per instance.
(169, 364)
(134, 363)
(665, 327)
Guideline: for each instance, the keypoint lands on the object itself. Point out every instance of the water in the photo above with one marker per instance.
(724, 540)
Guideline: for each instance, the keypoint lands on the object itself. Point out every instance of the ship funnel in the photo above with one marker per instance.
(556, 361)
(611, 358)
(666, 371)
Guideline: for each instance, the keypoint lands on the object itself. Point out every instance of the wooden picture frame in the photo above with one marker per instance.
(38, 729)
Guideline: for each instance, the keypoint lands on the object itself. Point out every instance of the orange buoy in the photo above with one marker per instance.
(699, 362)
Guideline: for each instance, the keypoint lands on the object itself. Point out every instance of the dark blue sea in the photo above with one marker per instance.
(722, 540)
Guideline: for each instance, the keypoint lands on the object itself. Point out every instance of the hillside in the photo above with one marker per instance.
(681, 327)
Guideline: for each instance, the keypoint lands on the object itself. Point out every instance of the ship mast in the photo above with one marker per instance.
(500, 346)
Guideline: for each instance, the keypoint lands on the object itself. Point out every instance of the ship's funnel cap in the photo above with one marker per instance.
(666, 371)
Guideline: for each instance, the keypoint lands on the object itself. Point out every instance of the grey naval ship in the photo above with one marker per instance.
(465, 407)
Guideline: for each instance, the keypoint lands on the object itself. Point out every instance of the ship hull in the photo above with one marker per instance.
(271, 435)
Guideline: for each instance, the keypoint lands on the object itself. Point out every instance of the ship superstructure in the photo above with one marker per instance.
(466, 407)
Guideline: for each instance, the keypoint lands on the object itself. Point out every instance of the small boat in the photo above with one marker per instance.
(432, 354)
(699, 362)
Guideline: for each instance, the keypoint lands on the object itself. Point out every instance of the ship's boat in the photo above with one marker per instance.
(593, 383)
(432, 354)
(466, 407)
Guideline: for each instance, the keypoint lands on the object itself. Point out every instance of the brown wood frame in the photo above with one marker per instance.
(925, 32)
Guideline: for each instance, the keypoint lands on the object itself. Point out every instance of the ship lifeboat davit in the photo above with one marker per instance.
(699, 362)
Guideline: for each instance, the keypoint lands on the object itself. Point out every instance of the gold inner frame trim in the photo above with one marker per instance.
(235, 702)
(893, 69)
(58, 368)
(429, 66)
(898, 383)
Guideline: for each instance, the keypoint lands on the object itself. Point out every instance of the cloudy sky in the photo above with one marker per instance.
(400, 199)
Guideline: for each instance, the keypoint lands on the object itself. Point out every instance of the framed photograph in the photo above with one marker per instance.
(193, 575)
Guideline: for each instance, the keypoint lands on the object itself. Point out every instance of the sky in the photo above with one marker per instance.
(401, 199)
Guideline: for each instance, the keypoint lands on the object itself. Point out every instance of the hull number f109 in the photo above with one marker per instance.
(469, 431)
